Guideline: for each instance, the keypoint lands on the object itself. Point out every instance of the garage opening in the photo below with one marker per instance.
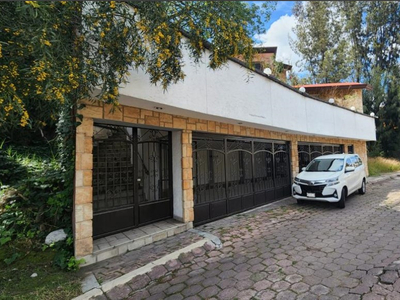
(232, 174)
(309, 151)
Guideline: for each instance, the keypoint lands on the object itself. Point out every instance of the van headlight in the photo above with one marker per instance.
(296, 180)
(332, 181)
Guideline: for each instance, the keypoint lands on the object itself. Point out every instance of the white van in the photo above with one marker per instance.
(330, 178)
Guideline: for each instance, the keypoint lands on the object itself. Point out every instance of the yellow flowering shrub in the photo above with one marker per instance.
(73, 48)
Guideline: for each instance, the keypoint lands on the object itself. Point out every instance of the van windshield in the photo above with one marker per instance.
(325, 165)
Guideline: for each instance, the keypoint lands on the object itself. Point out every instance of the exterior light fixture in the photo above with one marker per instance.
(372, 114)
(267, 71)
(302, 89)
(352, 108)
(331, 100)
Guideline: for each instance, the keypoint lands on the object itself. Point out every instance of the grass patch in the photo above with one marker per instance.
(51, 283)
(380, 165)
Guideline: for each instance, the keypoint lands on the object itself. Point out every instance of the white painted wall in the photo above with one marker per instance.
(233, 94)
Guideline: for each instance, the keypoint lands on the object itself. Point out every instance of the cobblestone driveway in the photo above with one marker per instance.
(313, 251)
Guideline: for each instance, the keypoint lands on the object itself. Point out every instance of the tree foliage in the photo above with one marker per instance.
(388, 130)
(50, 51)
(320, 41)
(339, 40)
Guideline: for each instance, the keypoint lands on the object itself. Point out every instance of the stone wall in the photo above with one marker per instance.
(83, 210)
(343, 97)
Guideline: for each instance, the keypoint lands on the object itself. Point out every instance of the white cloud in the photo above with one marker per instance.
(278, 35)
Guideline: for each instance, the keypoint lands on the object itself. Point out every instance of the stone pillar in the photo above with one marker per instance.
(187, 176)
(294, 155)
(361, 149)
(83, 210)
(83, 193)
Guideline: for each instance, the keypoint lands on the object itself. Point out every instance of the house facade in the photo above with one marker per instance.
(218, 143)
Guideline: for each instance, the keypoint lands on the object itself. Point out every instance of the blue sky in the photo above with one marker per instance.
(282, 8)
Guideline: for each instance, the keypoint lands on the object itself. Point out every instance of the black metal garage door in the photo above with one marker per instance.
(309, 151)
(131, 178)
(233, 174)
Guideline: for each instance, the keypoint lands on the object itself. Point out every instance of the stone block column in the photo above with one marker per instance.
(83, 209)
(83, 193)
(187, 176)
(361, 149)
(294, 154)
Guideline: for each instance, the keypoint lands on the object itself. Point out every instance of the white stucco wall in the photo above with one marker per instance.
(235, 95)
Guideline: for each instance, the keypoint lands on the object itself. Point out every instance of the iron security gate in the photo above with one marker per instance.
(307, 152)
(235, 174)
(131, 178)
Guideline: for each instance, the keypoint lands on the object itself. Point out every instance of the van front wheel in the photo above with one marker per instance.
(342, 201)
(363, 188)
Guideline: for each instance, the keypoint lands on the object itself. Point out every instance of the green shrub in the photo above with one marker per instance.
(10, 170)
(34, 197)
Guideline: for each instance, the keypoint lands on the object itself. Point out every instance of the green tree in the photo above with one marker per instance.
(382, 33)
(388, 129)
(54, 51)
(353, 15)
(372, 28)
(320, 41)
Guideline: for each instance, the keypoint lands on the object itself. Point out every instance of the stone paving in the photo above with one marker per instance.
(313, 251)
(115, 267)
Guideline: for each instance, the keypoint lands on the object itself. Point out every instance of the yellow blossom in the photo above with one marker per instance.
(112, 4)
(8, 107)
(33, 3)
(38, 89)
(24, 119)
(42, 76)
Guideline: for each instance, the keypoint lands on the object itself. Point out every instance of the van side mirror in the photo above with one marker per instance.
(303, 168)
(349, 169)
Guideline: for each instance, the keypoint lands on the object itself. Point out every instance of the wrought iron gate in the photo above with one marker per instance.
(234, 174)
(132, 183)
(307, 152)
